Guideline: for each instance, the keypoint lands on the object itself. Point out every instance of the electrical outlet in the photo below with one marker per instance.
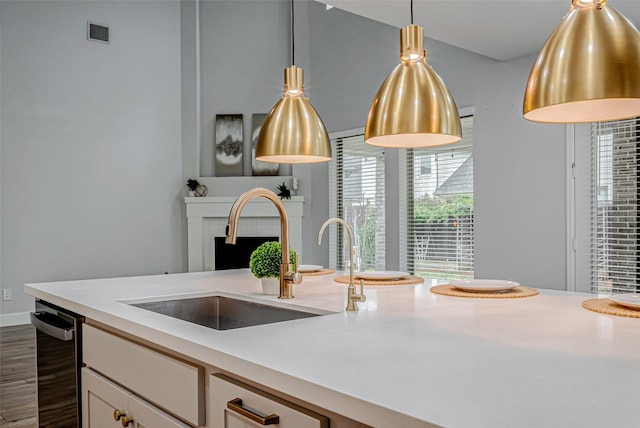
(6, 294)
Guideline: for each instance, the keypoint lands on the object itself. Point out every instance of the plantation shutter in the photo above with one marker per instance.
(356, 194)
(438, 216)
(615, 196)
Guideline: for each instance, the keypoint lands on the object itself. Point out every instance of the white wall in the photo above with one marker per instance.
(91, 143)
(519, 186)
(244, 50)
(519, 166)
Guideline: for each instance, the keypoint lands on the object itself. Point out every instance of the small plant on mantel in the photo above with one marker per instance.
(265, 260)
(192, 184)
(284, 192)
(196, 189)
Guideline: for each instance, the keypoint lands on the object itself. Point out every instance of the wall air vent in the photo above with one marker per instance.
(97, 32)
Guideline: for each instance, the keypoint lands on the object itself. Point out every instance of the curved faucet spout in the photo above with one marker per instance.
(336, 220)
(352, 296)
(238, 205)
(287, 275)
(349, 233)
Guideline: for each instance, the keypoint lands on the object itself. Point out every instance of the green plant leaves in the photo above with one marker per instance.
(436, 210)
(265, 260)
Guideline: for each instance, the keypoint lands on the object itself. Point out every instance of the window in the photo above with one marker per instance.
(615, 206)
(425, 164)
(356, 194)
(439, 209)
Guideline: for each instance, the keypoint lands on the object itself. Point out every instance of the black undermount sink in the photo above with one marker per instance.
(224, 313)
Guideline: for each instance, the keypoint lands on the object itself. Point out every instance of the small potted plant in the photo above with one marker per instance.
(196, 189)
(265, 264)
(284, 192)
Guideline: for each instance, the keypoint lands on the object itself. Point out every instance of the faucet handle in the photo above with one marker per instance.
(296, 277)
(293, 275)
(362, 297)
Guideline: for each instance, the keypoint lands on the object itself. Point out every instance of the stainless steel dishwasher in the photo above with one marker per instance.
(59, 359)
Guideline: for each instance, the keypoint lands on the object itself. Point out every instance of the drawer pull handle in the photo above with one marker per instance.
(236, 406)
(126, 421)
(117, 414)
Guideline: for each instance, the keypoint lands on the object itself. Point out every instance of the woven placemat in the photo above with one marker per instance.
(514, 293)
(403, 281)
(323, 271)
(606, 306)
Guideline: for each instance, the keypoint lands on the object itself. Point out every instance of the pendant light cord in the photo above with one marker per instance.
(293, 36)
(411, 12)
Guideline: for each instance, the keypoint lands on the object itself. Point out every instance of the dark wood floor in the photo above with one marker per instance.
(18, 406)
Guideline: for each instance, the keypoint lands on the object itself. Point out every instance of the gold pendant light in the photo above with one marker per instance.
(293, 131)
(413, 107)
(588, 70)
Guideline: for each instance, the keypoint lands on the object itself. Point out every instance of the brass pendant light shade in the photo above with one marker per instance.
(293, 131)
(413, 107)
(588, 70)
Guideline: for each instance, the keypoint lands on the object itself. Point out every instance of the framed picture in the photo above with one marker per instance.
(229, 142)
(257, 167)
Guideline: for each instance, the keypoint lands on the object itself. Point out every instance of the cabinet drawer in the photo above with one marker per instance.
(237, 405)
(172, 384)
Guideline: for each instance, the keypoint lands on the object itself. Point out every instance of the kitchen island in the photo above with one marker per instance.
(407, 358)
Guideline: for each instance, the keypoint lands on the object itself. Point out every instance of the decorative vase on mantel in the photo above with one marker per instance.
(270, 285)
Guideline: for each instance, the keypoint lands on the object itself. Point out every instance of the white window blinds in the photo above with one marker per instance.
(439, 209)
(615, 197)
(356, 194)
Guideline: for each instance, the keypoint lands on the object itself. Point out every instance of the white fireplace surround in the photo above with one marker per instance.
(207, 218)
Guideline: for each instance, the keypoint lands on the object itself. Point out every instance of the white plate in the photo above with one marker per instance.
(630, 300)
(309, 268)
(484, 284)
(381, 275)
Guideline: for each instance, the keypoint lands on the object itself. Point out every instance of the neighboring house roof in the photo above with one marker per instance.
(460, 182)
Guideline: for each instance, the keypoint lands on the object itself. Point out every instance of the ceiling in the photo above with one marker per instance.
(499, 29)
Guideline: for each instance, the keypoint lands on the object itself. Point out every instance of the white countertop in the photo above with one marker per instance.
(408, 358)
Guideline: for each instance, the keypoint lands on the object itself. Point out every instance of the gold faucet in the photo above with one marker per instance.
(352, 296)
(287, 275)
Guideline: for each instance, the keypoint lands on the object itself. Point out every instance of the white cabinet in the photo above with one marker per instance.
(175, 385)
(107, 405)
(237, 405)
(154, 389)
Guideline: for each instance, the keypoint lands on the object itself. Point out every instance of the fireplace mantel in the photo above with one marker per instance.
(207, 218)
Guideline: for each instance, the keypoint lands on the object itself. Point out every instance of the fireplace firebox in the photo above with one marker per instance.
(237, 256)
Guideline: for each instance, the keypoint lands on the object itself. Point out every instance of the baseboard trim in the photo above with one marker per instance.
(15, 318)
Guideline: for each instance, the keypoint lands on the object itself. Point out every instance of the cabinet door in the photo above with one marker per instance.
(237, 405)
(147, 416)
(100, 399)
